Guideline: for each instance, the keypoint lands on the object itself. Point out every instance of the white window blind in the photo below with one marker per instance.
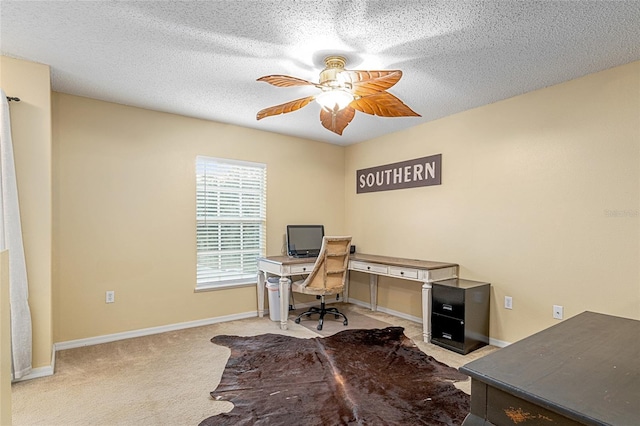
(231, 211)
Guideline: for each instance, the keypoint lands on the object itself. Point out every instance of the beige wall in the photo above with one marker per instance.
(124, 211)
(31, 134)
(529, 185)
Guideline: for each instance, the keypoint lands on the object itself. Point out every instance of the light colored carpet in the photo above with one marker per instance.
(164, 379)
(332, 325)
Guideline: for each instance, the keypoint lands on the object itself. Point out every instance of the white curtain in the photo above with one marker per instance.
(11, 239)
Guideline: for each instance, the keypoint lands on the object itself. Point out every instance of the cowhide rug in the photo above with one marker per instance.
(369, 377)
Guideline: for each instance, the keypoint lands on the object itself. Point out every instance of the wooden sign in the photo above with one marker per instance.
(425, 171)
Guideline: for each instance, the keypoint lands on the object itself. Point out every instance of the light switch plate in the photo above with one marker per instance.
(508, 302)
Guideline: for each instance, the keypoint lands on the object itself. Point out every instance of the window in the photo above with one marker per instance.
(231, 201)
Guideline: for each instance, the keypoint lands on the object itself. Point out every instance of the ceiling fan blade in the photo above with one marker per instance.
(383, 104)
(284, 108)
(336, 121)
(367, 83)
(285, 81)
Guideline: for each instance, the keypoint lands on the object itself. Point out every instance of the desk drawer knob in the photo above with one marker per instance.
(304, 269)
(401, 272)
(368, 267)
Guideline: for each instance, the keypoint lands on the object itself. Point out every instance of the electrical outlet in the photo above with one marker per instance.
(110, 297)
(508, 302)
(558, 311)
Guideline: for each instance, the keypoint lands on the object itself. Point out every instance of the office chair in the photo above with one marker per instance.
(329, 276)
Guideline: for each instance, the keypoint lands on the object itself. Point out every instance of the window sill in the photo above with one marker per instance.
(217, 286)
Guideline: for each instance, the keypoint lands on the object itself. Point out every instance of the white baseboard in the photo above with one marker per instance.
(498, 343)
(40, 371)
(36, 373)
(70, 344)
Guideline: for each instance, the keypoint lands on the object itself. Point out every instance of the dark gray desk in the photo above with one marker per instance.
(585, 370)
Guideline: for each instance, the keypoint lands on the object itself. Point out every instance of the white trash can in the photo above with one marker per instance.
(273, 289)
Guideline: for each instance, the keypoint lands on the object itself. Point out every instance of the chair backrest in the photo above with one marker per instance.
(330, 270)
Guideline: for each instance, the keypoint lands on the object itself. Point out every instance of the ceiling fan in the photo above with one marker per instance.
(343, 92)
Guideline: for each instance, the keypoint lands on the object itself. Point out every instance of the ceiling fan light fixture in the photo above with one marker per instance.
(336, 98)
(343, 93)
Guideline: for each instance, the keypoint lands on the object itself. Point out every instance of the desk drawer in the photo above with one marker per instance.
(369, 267)
(403, 272)
(505, 408)
(301, 269)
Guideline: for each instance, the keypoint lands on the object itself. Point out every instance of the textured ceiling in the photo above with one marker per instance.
(202, 59)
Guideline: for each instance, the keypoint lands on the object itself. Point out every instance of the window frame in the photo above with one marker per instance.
(203, 202)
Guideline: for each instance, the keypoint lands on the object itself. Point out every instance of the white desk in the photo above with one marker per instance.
(420, 271)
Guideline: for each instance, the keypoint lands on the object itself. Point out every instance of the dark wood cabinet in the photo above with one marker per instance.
(460, 314)
(582, 371)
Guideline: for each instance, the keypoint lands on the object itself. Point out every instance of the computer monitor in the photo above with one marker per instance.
(304, 240)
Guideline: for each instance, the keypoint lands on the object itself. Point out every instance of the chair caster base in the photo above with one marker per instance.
(322, 311)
